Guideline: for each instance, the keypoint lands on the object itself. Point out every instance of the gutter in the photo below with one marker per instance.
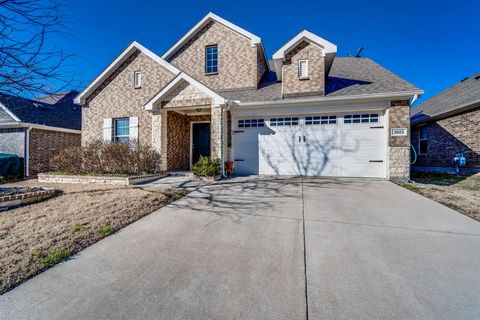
(38, 126)
(361, 97)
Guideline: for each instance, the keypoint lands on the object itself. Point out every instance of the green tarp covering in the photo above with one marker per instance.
(10, 165)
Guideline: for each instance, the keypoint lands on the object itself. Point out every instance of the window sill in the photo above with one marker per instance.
(304, 78)
(211, 73)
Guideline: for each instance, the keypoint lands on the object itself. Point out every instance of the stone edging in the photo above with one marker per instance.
(123, 181)
(25, 198)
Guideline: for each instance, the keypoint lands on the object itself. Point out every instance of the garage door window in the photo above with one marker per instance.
(251, 123)
(320, 120)
(277, 122)
(360, 118)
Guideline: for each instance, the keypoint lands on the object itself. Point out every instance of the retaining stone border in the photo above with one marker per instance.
(14, 200)
(120, 181)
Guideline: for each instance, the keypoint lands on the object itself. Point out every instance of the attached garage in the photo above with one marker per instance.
(351, 144)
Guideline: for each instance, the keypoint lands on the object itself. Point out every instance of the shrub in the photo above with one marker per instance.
(206, 167)
(99, 157)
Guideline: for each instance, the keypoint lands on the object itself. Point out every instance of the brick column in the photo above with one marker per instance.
(399, 146)
(216, 131)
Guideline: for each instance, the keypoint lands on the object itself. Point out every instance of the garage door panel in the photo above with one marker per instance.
(313, 149)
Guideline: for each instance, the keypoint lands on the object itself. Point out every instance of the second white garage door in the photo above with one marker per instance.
(349, 145)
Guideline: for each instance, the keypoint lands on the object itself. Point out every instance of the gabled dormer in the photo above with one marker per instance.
(303, 64)
(219, 54)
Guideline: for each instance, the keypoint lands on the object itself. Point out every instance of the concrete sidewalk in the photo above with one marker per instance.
(236, 249)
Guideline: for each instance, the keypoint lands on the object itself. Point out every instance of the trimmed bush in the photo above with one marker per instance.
(206, 167)
(99, 157)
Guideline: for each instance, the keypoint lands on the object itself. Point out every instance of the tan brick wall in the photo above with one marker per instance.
(399, 117)
(446, 137)
(315, 85)
(399, 147)
(46, 144)
(117, 97)
(237, 59)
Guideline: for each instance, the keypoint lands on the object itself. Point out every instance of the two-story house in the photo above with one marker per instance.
(215, 93)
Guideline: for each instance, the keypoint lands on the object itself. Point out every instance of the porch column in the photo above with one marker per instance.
(399, 146)
(216, 131)
(159, 136)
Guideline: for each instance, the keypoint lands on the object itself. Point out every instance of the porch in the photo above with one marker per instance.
(188, 121)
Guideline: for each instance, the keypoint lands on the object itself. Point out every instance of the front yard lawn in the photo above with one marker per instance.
(461, 193)
(38, 236)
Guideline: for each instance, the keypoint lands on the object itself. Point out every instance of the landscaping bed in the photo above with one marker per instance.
(21, 195)
(122, 180)
(461, 193)
(38, 236)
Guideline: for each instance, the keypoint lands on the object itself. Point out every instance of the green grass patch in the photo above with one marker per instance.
(52, 258)
(412, 187)
(105, 230)
(77, 228)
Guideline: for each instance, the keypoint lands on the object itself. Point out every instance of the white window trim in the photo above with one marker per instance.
(420, 139)
(136, 84)
(299, 69)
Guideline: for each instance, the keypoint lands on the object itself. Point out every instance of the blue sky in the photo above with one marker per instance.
(432, 44)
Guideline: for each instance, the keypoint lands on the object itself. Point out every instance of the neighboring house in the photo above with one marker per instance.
(36, 130)
(448, 123)
(214, 93)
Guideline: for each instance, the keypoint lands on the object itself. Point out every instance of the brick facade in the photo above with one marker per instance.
(117, 97)
(238, 65)
(446, 137)
(399, 146)
(44, 144)
(315, 84)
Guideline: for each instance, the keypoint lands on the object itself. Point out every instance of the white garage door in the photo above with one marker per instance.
(349, 145)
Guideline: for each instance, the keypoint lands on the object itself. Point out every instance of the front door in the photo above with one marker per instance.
(200, 141)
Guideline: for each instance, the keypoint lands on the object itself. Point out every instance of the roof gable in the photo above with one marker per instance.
(305, 35)
(179, 80)
(134, 46)
(254, 40)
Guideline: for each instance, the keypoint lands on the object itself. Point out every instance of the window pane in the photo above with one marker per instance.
(122, 127)
(211, 59)
(423, 146)
(423, 132)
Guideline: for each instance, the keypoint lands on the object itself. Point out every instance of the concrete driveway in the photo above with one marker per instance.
(271, 248)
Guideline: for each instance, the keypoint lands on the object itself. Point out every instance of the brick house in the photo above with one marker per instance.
(446, 124)
(215, 93)
(35, 130)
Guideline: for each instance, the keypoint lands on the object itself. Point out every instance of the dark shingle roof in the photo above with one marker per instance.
(64, 113)
(456, 97)
(348, 76)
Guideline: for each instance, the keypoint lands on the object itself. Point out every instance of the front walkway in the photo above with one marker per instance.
(236, 250)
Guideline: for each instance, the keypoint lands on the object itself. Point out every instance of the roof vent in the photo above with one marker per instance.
(464, 79)
(477, 77)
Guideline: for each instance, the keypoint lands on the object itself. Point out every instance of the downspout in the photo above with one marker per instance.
(27, 151)
(223, 108)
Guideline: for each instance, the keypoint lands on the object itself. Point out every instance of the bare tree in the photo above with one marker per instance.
(29, 64)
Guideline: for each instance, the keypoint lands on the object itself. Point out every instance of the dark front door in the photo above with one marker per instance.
(200, 141)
